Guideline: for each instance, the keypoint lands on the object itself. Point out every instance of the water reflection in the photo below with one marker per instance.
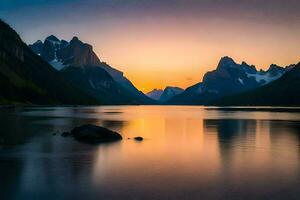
(188, 153)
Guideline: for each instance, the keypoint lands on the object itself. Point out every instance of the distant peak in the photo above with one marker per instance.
(244, 63)
(155, 89)
(75, 38)
(173, 87)
(64, 42)
(226, 62)
(247, 66)
(52, 38)
(227, 59)
(275, 69)
(38, 42)
(155, 94)
(274, 66)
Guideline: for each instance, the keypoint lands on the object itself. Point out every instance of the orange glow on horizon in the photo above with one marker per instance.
(170, 42)
(155, 55)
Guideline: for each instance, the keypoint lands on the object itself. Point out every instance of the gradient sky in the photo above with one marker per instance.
(166, 42)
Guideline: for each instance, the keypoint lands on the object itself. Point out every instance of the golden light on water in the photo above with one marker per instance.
(187, 150)
(195, 142)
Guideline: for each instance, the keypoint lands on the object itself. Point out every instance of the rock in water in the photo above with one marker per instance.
(95, 134)
(139, 138)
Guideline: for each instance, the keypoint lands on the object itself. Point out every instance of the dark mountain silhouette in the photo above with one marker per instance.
(170, 92)
(99, 84)
(26, 78)
(284, 91)
(164, 95)
(84, 79)
(155, 94)
(229, 78)
(60, 53)
(77, 57)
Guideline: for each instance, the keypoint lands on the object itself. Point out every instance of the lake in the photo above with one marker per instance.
(188, 152)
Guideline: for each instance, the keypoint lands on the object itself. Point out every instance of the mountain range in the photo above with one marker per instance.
(25, 78)
(166, 94)
(284, 91)
(60, 72)
(227, 79)
(80, 65)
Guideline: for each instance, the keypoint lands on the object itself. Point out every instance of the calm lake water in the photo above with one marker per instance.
(188, 153)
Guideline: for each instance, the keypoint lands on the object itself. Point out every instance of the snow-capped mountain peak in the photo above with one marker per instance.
(228, 78)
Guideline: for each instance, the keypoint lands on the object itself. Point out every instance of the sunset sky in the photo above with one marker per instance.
(166, 42)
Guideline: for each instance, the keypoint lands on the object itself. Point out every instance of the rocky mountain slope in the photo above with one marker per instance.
(65, 56)
(284, 91)
(155, 94)
(164, 95)
(27, 79)
(227, 79)
(169, 93)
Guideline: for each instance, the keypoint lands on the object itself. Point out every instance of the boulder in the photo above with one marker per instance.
(94, 134)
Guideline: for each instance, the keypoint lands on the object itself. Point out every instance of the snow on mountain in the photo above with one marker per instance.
(272, 74)
(57, 64)
(49, 50)
(228, 78)
(241, 81)
(62, 55)
(265, 77)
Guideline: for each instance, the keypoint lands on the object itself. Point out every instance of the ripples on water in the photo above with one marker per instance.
(188, 153)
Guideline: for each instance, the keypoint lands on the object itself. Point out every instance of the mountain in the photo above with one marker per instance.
(63, 55)
(227, 79)
(170, 92)
(155, 94)
(284, 91)
(27, 79)
(60, 53)
(164, 95)
(119, 77)
(99, 84)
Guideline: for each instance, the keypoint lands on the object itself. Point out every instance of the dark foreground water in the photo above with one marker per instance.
(188, 153)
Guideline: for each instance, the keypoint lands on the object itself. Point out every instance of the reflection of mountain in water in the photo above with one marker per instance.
(14, 128)
(46, 163)
(230, 133)
(262, 141)
(286, 132)
(209, 153)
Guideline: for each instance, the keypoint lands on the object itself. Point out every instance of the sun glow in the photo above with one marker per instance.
(170, 43)
(171, 53)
